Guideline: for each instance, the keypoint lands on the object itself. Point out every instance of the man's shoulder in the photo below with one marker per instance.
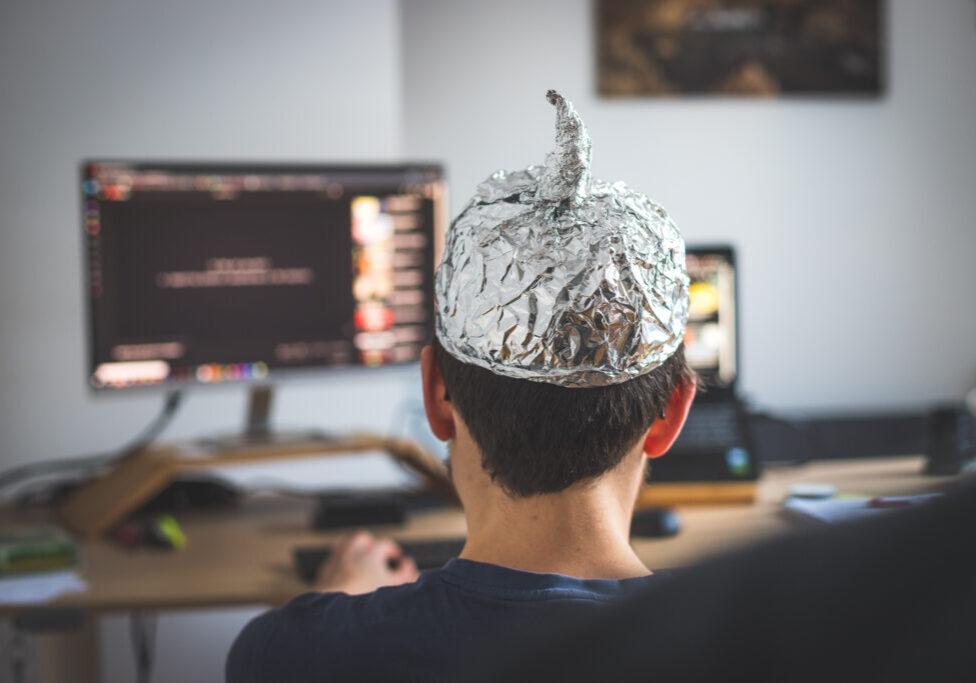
(343, 615)
(328, 618)
(330, 635)
(406, 632)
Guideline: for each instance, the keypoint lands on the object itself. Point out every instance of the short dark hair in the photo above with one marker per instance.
(542, 438)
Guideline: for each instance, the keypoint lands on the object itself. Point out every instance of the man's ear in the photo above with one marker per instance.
(440, 416)
(665, 430)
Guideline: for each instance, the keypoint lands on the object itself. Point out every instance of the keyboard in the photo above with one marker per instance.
(713, 447)
(428, 554)
(711, 426)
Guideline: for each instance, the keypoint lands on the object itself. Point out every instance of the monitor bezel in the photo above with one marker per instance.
(274, 375)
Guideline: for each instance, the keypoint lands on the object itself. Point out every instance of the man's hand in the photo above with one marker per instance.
(361, 563)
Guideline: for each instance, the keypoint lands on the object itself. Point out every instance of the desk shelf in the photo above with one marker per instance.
(102, 503)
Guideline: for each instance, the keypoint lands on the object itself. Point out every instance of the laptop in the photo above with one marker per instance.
(714, 445)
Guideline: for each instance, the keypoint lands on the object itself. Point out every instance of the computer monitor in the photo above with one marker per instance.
(211, 273)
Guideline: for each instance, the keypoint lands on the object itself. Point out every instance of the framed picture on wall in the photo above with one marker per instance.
(739, 47)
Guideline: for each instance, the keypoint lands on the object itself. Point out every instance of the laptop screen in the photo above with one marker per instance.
(710, 338)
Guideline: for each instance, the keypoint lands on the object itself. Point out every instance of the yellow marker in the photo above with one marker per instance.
(170, 529)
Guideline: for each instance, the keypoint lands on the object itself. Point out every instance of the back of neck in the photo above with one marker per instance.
(582, 531)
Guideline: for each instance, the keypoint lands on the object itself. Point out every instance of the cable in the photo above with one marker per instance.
(142, 631)
(91, 462)
(154, 429)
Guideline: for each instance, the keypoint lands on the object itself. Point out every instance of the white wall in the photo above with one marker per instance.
(289, 80)
(855, 220)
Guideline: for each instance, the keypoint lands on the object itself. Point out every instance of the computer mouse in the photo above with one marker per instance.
(655, 523)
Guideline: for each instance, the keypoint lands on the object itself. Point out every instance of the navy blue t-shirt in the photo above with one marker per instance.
(414, 632)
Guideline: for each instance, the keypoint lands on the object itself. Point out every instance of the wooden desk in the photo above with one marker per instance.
(243, 556)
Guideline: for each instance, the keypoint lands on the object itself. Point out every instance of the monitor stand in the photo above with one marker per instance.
(257, 428)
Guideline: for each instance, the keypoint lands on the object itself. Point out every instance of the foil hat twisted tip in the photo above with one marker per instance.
(552, 276)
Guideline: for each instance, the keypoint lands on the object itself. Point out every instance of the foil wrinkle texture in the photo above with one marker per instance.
(552, 276)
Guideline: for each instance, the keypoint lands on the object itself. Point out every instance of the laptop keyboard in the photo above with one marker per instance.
(711, 426)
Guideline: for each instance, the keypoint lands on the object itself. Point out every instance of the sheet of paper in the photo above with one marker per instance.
(842, 509)
(35, 588)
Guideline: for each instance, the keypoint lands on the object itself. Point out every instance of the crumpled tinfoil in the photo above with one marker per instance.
(551, 276)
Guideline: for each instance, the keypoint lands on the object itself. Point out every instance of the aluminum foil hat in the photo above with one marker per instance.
(551, 276)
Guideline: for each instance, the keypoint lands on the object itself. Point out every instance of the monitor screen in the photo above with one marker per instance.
(206, 273)
(710, 337)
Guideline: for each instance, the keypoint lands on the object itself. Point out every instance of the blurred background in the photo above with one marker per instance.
(853, 216)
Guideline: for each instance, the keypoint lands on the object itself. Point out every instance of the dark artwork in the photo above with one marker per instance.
(739, 47)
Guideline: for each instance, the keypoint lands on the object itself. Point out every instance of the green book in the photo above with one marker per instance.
(26, 549)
